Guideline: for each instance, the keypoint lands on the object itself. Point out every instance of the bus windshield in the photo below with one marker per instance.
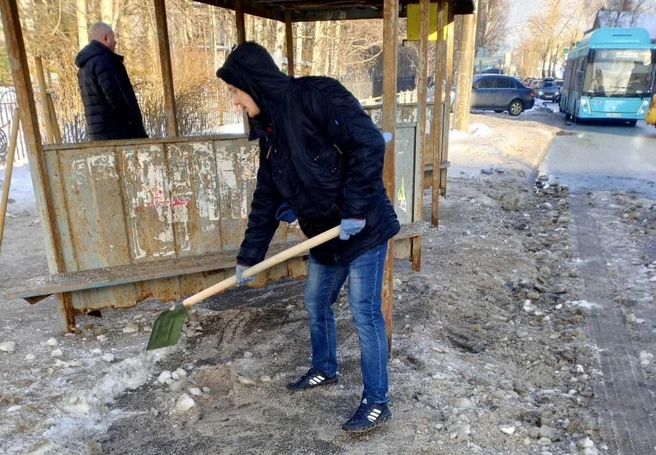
(621, 73)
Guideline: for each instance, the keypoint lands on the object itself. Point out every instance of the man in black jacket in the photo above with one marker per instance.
(110, 105)
(321, 159)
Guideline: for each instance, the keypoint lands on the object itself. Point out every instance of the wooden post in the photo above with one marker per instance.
(465, 73)
(43, 92)
(241, 21)
(422, 94)
(241, 38)
(21, 76)
(450, 44)
(56, 132)
(438, 117)
(9, 166)
(289, 39)
(390, 69)
(167, 71)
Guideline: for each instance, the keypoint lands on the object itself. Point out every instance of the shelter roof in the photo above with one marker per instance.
(325, 10)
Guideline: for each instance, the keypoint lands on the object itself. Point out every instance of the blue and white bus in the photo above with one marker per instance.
(609, 75)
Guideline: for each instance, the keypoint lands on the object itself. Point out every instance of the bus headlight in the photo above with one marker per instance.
(585, 105)
(644, 107)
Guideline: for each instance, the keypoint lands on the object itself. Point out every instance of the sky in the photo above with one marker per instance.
(521, 10)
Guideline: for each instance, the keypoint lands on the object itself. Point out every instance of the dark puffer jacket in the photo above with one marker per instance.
(319, 151)
(110, 106)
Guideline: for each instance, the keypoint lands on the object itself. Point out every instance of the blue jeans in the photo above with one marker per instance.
(365, 274)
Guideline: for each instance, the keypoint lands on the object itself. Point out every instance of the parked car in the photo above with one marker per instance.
(548, 91)
(559, 83)
(501, 93)
(535, 83)
(431, 94)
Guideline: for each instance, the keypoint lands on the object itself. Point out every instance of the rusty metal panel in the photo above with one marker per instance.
(147, 191)
(91, 228)
(181, 194)
(234, 171)
(404, 165)
(204, 208)
(151, 201)
(58, 195)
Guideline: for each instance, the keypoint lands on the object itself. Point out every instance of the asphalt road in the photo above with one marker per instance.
(591, 159)
(604, 157)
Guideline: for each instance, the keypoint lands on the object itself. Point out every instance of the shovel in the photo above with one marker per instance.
(168, 325)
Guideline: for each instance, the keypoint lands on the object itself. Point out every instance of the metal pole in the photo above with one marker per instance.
(422, 94)
(167, 71)
(22, 82)
(390, 70)
(438, 117)
(289, 40)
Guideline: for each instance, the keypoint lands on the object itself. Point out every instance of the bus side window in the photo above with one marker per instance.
(580, 73)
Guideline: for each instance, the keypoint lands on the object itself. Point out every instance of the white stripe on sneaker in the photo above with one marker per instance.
(373, 415)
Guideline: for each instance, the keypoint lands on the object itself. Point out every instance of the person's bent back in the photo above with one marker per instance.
(110, 105)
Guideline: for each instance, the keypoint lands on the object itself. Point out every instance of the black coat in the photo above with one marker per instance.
(319, 151)
(110, 105)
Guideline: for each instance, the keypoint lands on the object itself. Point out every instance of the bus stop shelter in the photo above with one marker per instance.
(163, 217)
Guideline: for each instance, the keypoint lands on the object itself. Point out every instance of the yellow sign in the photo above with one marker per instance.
(414, 22)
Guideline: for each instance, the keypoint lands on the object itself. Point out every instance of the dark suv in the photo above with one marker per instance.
(501, 93)
(549, 90)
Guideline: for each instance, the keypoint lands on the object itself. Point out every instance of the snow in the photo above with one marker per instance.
(84, 414)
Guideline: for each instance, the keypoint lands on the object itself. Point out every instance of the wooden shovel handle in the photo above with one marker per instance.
(262, 266)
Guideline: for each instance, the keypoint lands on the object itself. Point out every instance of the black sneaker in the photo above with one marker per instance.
(367, 417)
(313, 378)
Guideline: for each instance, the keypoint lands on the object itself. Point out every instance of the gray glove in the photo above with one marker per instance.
(239, 270)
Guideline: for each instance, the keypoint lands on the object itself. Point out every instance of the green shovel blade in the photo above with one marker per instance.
(167, 328)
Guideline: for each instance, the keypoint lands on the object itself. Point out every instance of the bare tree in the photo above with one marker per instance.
(492, 27)
(556, 26)
(627, 12)
(82, 23)
(200, 36)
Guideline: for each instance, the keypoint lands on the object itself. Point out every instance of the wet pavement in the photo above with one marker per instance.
(598, 157)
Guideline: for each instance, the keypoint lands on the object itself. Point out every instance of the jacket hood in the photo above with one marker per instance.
(93, 49)
(250, 68)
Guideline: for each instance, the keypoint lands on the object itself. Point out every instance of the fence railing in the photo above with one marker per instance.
(406, 97)
(8, 103)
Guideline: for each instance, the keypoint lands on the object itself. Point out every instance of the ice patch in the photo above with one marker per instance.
(479, 130)
(84, 415)
(585, 304)
(457, 134)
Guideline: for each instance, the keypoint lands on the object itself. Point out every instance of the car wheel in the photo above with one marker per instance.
(515, 108)
(633, 122)
(498, 111)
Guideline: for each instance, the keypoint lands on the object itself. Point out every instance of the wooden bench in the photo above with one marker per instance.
(38, 288)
